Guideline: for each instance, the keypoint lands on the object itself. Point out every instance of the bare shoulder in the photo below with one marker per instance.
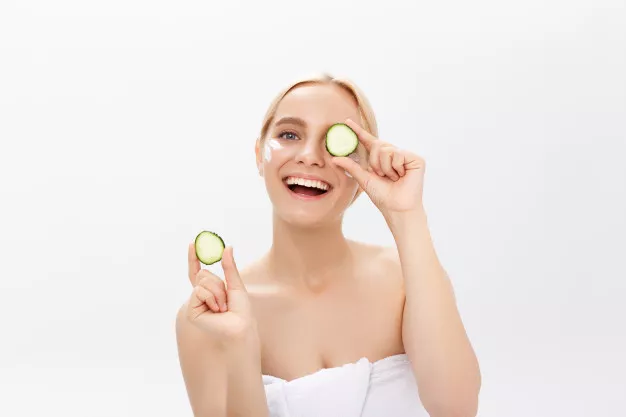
(380, 273)
(385, 253)
(252, 273)
(381, 286)
(265, 294)
(380, 264)
(256, 279)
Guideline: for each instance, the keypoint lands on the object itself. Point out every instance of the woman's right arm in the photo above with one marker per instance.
(203, 365)
(222, 380)
(218, 345)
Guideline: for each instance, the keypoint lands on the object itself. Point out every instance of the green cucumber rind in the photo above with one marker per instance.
(356, 144)
(206, 262)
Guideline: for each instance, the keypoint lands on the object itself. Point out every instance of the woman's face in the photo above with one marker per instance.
(305, 187)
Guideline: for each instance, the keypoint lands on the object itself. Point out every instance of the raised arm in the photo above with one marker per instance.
(218, 345)
(444, 363)
(203, 365)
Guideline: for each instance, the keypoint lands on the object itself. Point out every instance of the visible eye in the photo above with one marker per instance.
(288, 135)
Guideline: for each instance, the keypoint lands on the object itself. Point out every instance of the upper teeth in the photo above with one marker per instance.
(307, 183)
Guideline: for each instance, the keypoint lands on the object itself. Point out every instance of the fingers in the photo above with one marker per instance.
(194, 263)
(386, 156)
(216, 286)
(397, 162)
(366, 138)
(374, 160)
(387, 161)
(361, 176)
(384, 159)
(233, 279)
(202, 300)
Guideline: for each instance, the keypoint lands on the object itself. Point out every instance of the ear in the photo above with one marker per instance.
(258, 153)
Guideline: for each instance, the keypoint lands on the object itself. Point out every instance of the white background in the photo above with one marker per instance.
(128, 126)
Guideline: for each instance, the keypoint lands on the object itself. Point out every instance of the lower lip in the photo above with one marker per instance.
(307, 197)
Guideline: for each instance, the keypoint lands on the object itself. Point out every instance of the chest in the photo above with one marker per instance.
(304, 334)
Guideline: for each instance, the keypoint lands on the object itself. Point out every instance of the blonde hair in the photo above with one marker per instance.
(368, 119)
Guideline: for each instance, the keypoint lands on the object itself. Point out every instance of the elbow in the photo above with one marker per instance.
(453, 397)
(456, 410)
(453, 404)
(453, 407)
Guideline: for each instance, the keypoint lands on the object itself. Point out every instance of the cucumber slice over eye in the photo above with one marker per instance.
(341, 140)
(209, 247)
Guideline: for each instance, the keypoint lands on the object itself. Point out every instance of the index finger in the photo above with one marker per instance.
(365, 137)
(194, 263)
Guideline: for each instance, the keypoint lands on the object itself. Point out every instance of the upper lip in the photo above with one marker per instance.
(307, 177)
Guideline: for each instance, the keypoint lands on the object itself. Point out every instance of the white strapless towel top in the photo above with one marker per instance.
(384, 388)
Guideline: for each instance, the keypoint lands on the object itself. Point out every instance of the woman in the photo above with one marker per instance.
(322, 325)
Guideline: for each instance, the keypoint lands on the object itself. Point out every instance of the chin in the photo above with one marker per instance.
(307, 219)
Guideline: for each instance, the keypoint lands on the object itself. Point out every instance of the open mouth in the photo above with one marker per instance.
(307, 188)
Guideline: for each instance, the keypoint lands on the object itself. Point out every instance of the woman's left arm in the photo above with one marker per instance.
(444, 363)
(443, 360)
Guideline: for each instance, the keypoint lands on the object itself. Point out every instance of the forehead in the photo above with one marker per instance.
(318, 104)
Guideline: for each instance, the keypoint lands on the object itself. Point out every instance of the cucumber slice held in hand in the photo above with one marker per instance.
(341, 140)
(209, 247)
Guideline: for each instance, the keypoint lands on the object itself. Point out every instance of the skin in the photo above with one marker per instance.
(355, 300)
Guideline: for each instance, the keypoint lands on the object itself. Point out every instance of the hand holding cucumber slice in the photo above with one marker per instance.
(341, 140)
(209, 247)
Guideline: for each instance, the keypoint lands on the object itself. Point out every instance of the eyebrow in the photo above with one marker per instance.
(290, 120)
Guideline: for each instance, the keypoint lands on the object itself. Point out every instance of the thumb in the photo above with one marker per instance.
(233, 279)
(361, 176)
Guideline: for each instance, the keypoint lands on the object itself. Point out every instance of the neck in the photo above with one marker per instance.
(312, 257)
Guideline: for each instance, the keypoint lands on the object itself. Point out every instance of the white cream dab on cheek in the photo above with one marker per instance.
(267, 152)
(270, 146)
(274, 144)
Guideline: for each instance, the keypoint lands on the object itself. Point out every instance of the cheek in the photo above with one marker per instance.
(272, 149)
(276, 153)
(267, 152)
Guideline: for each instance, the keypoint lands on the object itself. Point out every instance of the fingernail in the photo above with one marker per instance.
(348, 174)
(224, 307)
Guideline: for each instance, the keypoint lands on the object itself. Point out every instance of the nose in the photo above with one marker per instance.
(311, 153)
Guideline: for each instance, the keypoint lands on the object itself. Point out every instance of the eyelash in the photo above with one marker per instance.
(287, 132)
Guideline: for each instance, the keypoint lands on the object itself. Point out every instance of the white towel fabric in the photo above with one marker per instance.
(384, 388)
